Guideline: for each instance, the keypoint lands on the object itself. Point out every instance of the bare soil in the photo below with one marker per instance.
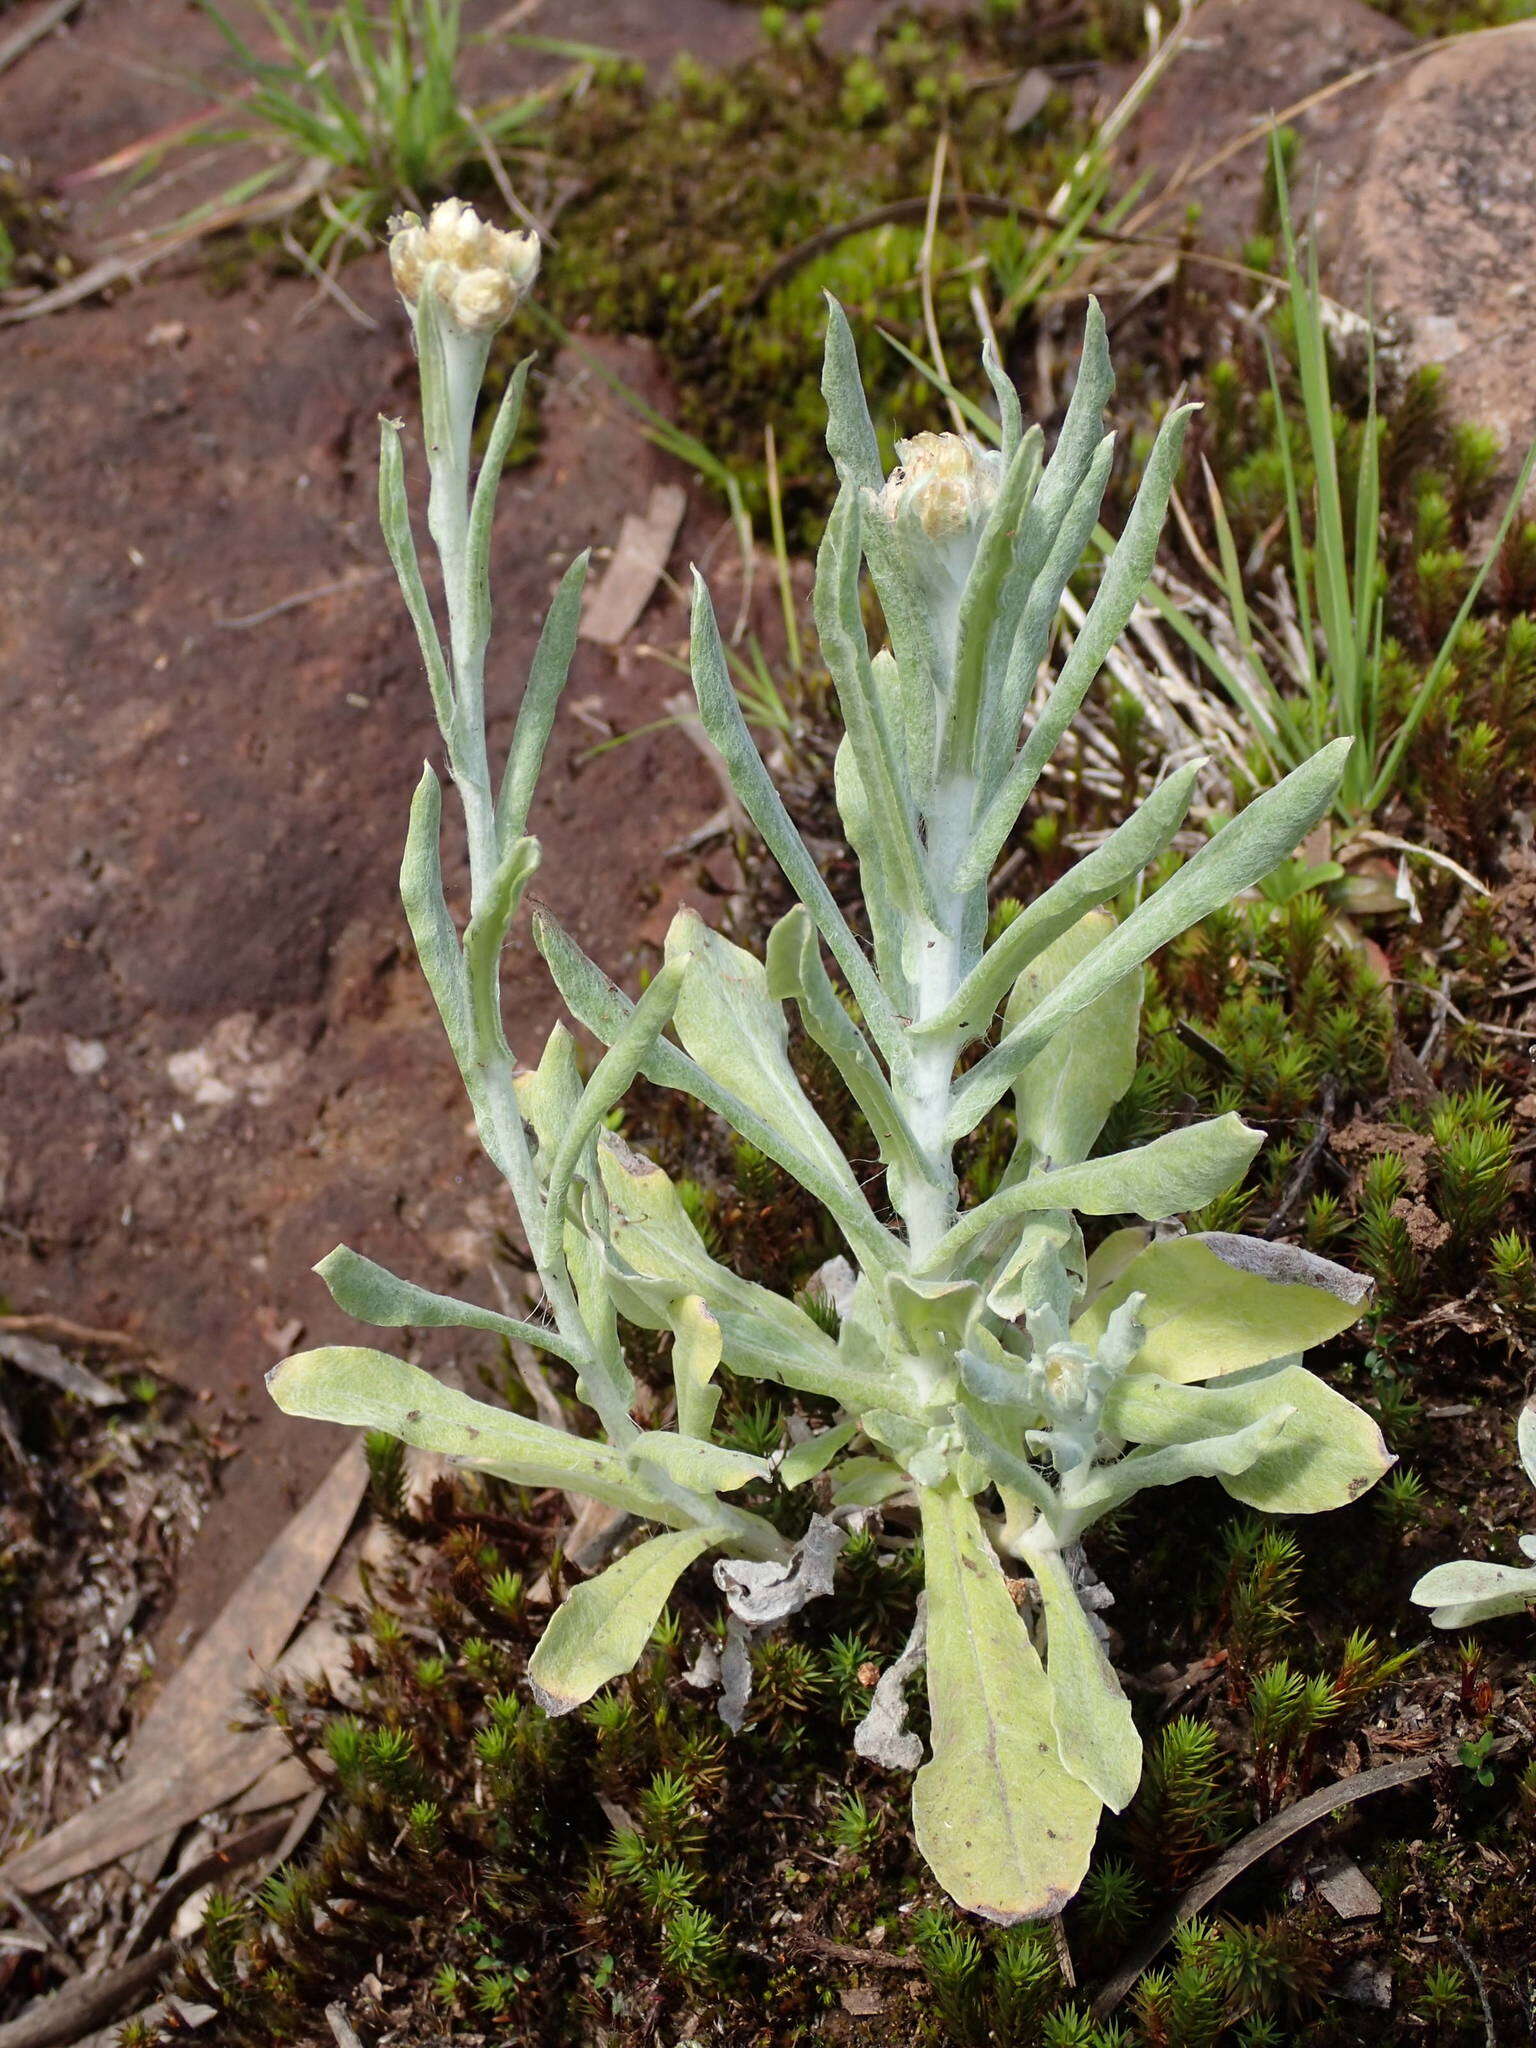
(217, 1057)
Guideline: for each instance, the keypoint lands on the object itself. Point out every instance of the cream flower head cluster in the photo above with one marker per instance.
(482, 273)
(946, 480)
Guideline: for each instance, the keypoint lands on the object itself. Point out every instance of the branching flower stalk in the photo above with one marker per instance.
(991, 1373)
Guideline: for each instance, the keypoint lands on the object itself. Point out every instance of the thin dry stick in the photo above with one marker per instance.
(994, 208)
(87, 2002)
(329, 288)
(498, 171)
(133, 263)
(300, 597)
(39, 26)
(1254, 1847)
(66, 1332)
(925, 272)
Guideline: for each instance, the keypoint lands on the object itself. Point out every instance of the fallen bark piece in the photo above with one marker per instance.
(624, 589)
(47, 1362)
(185, 1760)
(87, 2003)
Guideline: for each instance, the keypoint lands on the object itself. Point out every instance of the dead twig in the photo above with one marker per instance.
(87, 2003)
(70, 1333)
(851, 1952)
(27, 1912)
(993, 208)
(230, 1855)
(1482, 1989)
(39, 26)
(1306, 1165)
(301, 597)
(1255, 1846)
(47, 1362)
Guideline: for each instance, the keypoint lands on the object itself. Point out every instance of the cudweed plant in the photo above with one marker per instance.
(1470, 1591)
(1012, 1387)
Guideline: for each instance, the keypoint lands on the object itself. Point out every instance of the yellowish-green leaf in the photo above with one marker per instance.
(1005, 1827)
(1218, 1303)
(1327, 1454)
(1095, 1730)
(1063, 1096)
(602, 1626)
(695, 1360)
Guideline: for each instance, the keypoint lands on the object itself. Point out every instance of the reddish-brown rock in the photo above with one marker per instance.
(1442, 224)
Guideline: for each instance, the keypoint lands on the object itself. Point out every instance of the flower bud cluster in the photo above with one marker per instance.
(945, 482)
(481, 274)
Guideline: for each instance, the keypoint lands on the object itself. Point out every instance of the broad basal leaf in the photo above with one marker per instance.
(1217, 1303)
(1327, 1454)
(1005, 1827)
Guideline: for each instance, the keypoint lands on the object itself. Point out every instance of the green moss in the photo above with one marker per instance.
(700, 209)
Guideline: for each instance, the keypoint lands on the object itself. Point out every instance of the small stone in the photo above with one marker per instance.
(84, 1056)
(1347, 1889)
(1367, 1982)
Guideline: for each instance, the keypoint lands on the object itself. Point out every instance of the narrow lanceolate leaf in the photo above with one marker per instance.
(1080, 435)
(888, 922)
(375, 1295)
(1208, 1457)
(1241, 854)
(701, 1467)
(995, 593)
(804, 1461)
(851, 439)
(426, 911)
(1166, 1177)
(657, 1257)
(795, 970)
(1095, 1729)
(600, 1629)
(1031, 641)
(1094, 880)
(1328, 1453)
(1063, 1098)
(486, 934)
(395, 520)
(595, 1001)
(1124, 579)
(1003, 1824)
(372, 1390)
(720, 711)
(1010, 414)
(610, 1078)
(845, 649)
(482, 515)
(735, 1031)
(547, 674)
(547, 1097)
(1180, 1171)
(1218, 1303)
